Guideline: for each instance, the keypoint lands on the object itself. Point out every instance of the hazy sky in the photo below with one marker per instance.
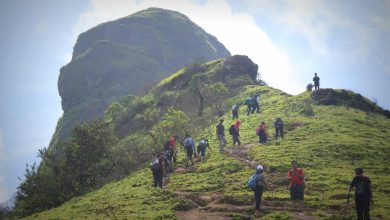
(346, 42)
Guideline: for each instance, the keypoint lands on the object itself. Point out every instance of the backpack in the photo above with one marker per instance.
(235, 108)
(203, 143)
(279, 124)
(249, 101)
(362, 187)
(188, 143)
(258, 130)
(154, 166)
(252, 182)
(167, 146)
(232, 130)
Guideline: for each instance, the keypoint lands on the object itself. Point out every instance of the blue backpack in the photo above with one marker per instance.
(188, 142)
(252, 182)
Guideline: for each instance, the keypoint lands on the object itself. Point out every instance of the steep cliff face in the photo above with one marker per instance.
(124, 57)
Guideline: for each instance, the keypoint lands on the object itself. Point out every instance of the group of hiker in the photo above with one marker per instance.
(164, 161)
(316, 81)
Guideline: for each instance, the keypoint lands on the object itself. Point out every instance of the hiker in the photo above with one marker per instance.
(203, 144)
(316, 80)
(235, 110)
(172, 141)
(279, 128)
(158, 170)
(256, 103)
(363, 194)
(297, 182)
(189, 147)
(262, 132)
(169, 153)
(221, 135)
(258, 187)
(238, 123)
(249, 103)
(309, 87)
(233, 131)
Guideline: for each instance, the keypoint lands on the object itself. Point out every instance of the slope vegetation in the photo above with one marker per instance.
(328, 142)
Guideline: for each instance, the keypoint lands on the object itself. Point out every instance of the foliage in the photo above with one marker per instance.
(328, 145)
(85, 164)
(215, 94)
(174, 122)
(328, 142)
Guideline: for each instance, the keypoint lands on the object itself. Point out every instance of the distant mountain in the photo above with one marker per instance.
(127, 56)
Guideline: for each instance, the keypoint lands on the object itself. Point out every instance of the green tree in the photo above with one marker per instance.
(174, 122)
(214, 95)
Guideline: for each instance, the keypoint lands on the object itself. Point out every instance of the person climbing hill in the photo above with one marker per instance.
(235, 110)
(203, 144)
(158, 170)
(221, 135)
(257, 183)
(233, 130)
(189, 147)
(262, 132)
(238, 124)
(316, 81)
(256, 103)
(249, 104)
(279, 125)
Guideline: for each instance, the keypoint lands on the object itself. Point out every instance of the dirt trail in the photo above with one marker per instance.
(211, 205)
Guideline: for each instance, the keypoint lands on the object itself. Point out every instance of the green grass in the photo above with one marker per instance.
(328, 146)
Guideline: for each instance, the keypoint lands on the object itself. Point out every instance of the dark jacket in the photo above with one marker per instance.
(220, 129)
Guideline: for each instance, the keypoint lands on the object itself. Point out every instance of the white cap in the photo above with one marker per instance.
(259, 167)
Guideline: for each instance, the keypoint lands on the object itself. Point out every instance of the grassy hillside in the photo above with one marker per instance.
(328, 142)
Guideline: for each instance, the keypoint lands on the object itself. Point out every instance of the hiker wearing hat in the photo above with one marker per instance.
(297, 182)
(258, 187)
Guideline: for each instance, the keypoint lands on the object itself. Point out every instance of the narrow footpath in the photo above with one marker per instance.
(212, 205)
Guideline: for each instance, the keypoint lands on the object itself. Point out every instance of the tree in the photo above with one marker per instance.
(215, 94)
(174, 122)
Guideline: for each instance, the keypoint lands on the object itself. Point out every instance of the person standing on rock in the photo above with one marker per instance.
(363, 194)
(316, 81)
(202, 146)
(221, 135)
(259, 189)
(297, 182)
